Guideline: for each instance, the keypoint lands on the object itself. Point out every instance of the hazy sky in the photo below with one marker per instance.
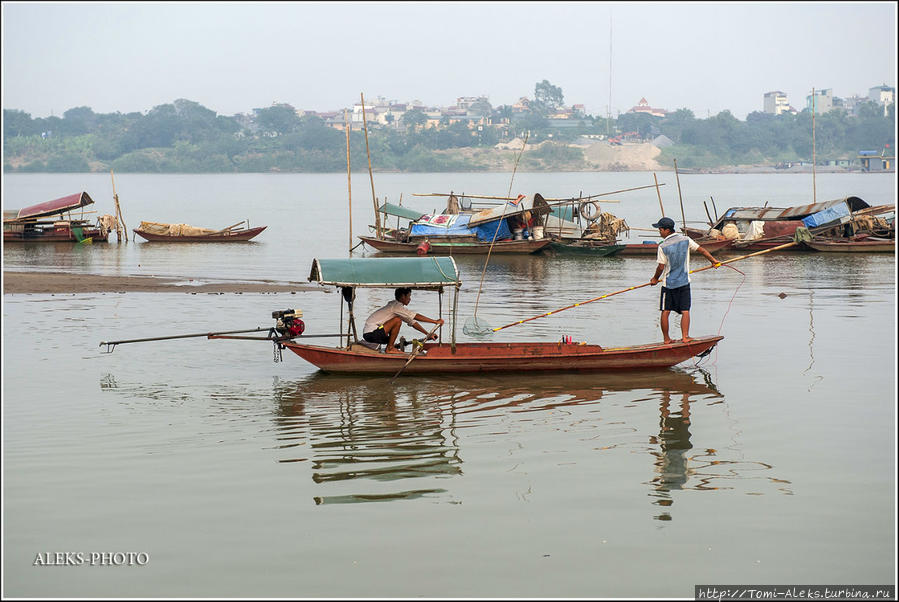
(233, 57)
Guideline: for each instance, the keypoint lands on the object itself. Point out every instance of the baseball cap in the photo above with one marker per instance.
(665, 222)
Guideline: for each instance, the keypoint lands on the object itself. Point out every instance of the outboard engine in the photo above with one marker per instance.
(288, 322)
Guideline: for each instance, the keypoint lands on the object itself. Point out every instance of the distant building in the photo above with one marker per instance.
(643, 107)
(523, 105)
(883, 95)
(821, 102)
(852, 103)
(776, 103)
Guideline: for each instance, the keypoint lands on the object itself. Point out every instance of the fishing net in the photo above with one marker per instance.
(802, 235)
(477, 327)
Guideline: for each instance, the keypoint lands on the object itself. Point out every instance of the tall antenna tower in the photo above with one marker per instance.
(609, 108)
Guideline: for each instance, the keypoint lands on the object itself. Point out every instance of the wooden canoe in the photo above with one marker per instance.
(467, 247)
(651, 248)
(503, 357)
(226, 236)
(586, 248)
(867, 245)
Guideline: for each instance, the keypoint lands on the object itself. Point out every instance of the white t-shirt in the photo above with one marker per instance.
(394, 308)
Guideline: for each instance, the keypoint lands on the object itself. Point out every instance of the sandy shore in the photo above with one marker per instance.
(60, 283)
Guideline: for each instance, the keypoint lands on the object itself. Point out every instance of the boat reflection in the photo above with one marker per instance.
(364, 432)
(678, 467)
(360, 428)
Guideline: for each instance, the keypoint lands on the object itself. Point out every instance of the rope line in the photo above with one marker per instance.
(495, 232)
(736, 290)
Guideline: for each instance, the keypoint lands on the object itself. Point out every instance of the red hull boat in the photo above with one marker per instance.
(503, 357)
(161, 232)
(444, 247)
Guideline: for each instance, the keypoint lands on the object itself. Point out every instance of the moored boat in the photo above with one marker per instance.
(865, 245)
(454, 247)
(587, 247)
(500, 229)
(160, 232)
(761, 228)
(651, 247)
(53, 221)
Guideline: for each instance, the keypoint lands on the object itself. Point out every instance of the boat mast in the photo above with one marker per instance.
(374, 199)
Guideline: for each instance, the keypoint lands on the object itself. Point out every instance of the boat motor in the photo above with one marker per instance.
(288, 323)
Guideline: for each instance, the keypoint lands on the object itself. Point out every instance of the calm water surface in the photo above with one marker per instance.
(770, 461)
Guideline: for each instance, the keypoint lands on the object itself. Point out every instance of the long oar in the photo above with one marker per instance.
(414, 354)
(798, 238)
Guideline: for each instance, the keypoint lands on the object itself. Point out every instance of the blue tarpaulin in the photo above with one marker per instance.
(459, 227)
(827, 216)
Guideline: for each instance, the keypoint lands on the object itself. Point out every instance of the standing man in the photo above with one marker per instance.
(674, 268)
(383, 325)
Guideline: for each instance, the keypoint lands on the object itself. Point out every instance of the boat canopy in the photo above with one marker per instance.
(60, 205)
(398, 211)
(387, 272)
(535, 203)
(798, 212)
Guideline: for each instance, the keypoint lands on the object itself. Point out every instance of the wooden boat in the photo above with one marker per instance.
(469, 233)
(52, 221)
(503, 357)
(587, 247)
(160, 232)
(762, 228)
(459, 247)
(652, 247)
(435, 274)
(865, 245)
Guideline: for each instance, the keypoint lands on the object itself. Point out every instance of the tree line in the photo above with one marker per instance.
(186, 137)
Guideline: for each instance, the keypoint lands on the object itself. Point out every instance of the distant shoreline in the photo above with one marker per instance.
(55, 283)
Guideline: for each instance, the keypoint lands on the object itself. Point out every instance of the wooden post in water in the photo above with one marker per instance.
(349, 180)
(119, 220)
(659, 193)
(682, 216)
(814, 110)
(370, 176)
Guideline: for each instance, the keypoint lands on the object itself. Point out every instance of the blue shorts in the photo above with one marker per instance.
(675, 299)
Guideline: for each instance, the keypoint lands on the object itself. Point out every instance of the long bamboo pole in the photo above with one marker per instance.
(349, 180)
(658, 192)
(120, 220)
(676, 175)
(374, 199)
(720, 263)
(111, 344)
(814, 110)
(552, 200)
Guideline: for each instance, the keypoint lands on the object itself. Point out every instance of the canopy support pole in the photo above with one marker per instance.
(455, 307)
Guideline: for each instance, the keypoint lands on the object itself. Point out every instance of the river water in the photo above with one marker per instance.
(770, 461)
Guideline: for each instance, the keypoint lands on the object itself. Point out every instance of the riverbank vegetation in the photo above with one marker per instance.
(186, 137)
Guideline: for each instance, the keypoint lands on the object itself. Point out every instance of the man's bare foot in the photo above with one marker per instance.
(687, 339)
(667, 342)
(393, 350)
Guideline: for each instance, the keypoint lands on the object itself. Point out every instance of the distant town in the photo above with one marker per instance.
(476, 111)
(854, 133)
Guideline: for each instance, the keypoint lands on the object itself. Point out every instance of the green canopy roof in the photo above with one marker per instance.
(387, 272)
(398, 211)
